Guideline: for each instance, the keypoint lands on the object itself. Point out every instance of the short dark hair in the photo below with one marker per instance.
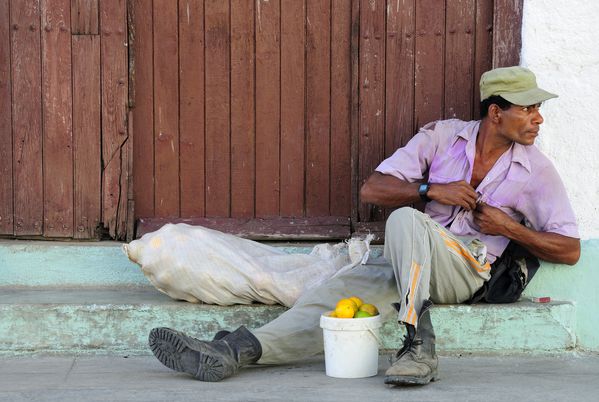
(495, 99)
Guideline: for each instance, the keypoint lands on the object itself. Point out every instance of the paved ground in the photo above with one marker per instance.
(102, 378)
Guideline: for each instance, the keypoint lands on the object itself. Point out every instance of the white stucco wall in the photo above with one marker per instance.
(560, 43)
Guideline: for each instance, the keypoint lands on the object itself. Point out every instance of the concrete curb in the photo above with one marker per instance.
(117, 321)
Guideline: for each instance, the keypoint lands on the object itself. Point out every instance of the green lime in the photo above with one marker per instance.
(362, 314)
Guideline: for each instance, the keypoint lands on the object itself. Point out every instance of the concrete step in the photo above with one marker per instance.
(116, 320)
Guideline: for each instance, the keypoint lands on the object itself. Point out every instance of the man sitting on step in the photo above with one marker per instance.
(484, 178)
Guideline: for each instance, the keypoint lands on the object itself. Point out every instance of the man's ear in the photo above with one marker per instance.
(495, 113)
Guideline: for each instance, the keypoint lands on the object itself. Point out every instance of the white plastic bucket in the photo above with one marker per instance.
(351, 346)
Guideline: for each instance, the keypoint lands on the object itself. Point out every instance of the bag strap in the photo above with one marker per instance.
(532, 262)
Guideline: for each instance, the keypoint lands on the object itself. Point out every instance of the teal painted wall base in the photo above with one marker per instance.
(579, 284)
(40, 263)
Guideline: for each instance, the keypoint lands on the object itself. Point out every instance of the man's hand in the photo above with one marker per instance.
(548, 246)
(491, 220)
(458, 193)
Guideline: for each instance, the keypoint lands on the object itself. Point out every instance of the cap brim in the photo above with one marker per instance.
(530, 97)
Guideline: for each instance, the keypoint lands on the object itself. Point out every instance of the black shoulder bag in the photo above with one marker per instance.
(510, 274)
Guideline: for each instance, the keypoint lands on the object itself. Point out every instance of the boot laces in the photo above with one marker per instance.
(408, 343)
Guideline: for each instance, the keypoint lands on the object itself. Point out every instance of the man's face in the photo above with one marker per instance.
(521, 123)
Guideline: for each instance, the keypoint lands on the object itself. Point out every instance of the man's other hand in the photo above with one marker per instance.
(458, 193)
(491, 220)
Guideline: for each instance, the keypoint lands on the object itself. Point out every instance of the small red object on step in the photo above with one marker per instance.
(545, 299)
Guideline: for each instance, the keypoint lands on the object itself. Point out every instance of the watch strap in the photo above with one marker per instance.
(423, 191)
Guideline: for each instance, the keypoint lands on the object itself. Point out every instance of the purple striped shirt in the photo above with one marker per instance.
(523, 182)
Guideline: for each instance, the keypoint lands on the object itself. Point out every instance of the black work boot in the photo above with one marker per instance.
(205, 360)
(220, 334)
(416, 362)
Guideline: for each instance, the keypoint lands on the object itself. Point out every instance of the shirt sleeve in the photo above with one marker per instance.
(546, 205)
(411, 162)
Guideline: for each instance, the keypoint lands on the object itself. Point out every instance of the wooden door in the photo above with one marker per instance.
(64, 143)
(263, 118)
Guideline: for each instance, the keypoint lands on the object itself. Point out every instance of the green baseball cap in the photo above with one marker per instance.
(517, 85)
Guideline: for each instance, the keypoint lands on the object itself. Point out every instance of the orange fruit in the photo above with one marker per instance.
(345, 310)
(369, 308)
(357, 300)
(348, 302)
(332, 314)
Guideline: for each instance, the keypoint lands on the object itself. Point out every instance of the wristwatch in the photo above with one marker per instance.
(423, 190)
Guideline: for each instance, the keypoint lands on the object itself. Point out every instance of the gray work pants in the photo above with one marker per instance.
(422, 260)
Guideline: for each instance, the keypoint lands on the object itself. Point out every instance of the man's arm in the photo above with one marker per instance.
(389, 191)
(547, 246)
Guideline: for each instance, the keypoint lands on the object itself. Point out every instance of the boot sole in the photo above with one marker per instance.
(175, 352)
(409, 380)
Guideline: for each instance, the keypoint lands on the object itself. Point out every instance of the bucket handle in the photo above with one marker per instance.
(378, 338)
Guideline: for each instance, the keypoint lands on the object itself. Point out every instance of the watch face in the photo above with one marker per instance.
(422, 190)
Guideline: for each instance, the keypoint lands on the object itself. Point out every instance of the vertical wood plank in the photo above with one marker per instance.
(318, 107)
(113, 28)
(399, 81)
(242, 109)
(27, 118)
(218, 172)
(166, 102)
(483, 53)
(143, 112)
(372, 96)
(191, 103)
(57, 102)
(399, 76)
(507, 33)
(340, 192)
(84, 17)
(86, 135)
(6, 156)
(293, 70)
(130, 182)
(429, 59)
(130, 222)
(459, 58)
(125, 206)
(268, 107)
(355, 109)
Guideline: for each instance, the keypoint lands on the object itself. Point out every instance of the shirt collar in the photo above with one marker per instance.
(467, 131)
(520, 155)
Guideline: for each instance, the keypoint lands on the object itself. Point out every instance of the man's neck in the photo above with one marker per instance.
(489, 144)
